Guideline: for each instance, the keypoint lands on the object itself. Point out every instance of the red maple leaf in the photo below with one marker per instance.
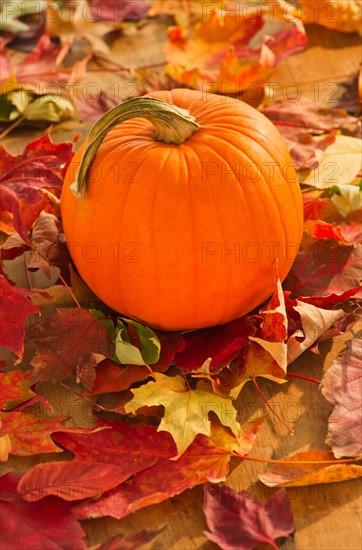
(66, 343)
(222, 343)
(97, 466)
(325, 268)
(15, 388)
(16, 308)
(342, 386)
(30, 435)
(238, 521)
(48, 524)
(41, 165)
(206, 459)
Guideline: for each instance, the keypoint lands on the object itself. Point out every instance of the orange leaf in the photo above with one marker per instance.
(290, 475)
(216, 52)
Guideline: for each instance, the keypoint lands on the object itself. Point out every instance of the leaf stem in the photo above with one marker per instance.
(104, 409)
(282, 461)
(302, 377)
(289, 428)
(273, 545)
(12, 127)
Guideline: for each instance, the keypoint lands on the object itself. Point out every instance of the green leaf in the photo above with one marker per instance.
(48, 107)
(127, 353)
(106, 322)
(21, 99)
(7, 110)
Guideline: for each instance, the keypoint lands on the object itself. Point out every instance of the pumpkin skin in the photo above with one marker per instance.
(185, 236)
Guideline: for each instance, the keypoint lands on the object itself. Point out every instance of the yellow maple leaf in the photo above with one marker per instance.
(186, 410)
(339, 165)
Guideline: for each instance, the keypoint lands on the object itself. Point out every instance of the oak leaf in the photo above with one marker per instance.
(239, 521)
(342, 386)
(206, 459)
(186, 410)
(311, 472)
(48, 524)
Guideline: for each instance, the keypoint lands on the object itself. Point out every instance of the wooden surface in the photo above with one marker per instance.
(327, 517)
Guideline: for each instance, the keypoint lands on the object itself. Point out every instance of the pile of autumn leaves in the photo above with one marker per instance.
(165, 401)
(206, 43)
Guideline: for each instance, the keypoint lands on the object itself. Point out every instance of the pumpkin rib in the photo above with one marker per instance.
(297, 208)
(270, 188)
(180, 97)
(152, 222)
(121, 231)
(194, 248)
(211, 194)
(222, 228)
(242, 190)
(266, 206)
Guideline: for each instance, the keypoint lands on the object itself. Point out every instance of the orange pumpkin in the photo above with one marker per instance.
(181, 213)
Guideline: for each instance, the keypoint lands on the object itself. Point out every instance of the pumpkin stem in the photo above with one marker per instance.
(172, 125)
